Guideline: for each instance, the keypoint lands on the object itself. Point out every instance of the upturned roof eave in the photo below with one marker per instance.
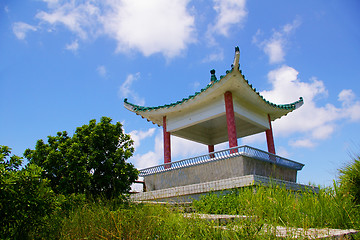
(154, 114)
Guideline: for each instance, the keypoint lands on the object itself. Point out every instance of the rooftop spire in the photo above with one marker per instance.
(237, 58)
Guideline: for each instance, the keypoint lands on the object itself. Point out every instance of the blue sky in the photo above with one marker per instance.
(63, 63)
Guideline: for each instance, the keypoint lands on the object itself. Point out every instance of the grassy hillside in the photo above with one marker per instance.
(266, 207)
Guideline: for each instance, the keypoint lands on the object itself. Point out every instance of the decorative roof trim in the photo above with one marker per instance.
(214, 80)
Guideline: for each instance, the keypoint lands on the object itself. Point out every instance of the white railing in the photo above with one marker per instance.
(223, 154)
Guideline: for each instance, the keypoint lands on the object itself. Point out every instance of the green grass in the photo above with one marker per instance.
(266, 206)
(139, 221)
(278, 206)
(350, 179)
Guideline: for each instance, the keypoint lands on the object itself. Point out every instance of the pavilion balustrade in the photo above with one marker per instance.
(221, 155)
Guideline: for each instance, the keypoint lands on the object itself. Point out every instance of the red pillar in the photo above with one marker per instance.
(270, 138)
(211, 149)
(167, 144)
(230, 120)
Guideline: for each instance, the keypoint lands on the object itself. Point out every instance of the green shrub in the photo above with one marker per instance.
(26, 200)
(92, 161)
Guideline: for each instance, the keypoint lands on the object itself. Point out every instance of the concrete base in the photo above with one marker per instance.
(194, 191)
(214, 170)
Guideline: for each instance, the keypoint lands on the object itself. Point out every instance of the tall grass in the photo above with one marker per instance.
(139, 221)
(350, 179)
(276, 205)
(266, 207)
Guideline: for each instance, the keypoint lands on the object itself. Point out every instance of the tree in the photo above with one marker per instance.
(26, 198)
(92, 161)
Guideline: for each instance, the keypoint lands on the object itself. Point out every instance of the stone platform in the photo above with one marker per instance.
(224, 164)
(216, 172)
(194, 191)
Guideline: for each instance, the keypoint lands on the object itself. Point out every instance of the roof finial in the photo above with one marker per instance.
(213, 76)
(237, 58)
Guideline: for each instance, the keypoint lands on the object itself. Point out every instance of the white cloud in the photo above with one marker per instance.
(324, 131)
(346, 96)
(353, 112)
(248, 140)
(288, 28)
(80, 18)
(282, 151)
(229, 12)
(274, 47)
(216, 56)
(180, 149)
(102, 71)
(138, 135)
(150, 27)
(20, 29)
(183, 148)
(158, 26)
(305, 143)
(151, 158)
(52, 3)
(275, 50)
(348, 99)
(311, 121)
(126, 91)
(221, 146)
(146, 160)
(287, 87)
(72, 46)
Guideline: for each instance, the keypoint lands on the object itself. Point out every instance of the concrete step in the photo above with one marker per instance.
(220, 219)
(184, 207)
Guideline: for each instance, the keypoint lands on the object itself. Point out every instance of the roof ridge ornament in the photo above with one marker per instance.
(213, 76)
(235, 65)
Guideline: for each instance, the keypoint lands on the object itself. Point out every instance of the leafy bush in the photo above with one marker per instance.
(91, 162)
(25, 197)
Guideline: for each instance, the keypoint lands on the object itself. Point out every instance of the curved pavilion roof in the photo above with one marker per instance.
(245, 96)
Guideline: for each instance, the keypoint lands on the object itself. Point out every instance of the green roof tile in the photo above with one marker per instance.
(138, 108)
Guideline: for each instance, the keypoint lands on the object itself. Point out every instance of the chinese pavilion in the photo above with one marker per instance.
(228, 108)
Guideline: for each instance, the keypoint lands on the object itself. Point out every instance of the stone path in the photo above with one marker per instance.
(311, 233)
